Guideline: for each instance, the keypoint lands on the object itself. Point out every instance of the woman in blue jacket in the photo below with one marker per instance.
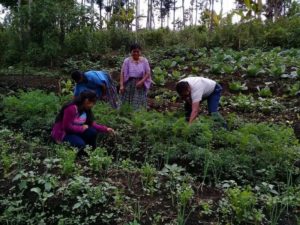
(97, 81)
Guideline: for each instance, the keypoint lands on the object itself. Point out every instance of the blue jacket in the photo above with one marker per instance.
(93, 80)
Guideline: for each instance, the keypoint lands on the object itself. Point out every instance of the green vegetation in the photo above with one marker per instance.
(50, 32)
(156, 169)
(159, 157)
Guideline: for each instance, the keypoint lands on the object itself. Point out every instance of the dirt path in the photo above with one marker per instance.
(15, 82)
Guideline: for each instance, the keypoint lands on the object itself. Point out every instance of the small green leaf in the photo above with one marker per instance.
(36, 190)
(76, 206)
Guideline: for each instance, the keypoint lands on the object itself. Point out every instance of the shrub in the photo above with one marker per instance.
(276, 36)
(33, 111)
(242, 204)
(76, 42)
(153, 38)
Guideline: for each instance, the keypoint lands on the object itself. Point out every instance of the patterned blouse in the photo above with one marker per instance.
(136, 69)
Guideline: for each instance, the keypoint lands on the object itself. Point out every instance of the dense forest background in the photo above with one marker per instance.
(46, 32)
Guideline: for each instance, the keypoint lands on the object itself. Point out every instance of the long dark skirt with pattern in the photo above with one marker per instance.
(112, 94)
(135, 97)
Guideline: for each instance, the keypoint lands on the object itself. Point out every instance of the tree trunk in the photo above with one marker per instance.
(82, 14)
(152, 17)
(211, 15)
(191, 12)
(148, 15)
(161, 13)
(92, 14)
(137, 14)
(19, 4)
(174, 14)
(183, 14)
(100, 14)
(196, 16)
(21, 37)
(29, 15)
(221, 10)
(109, 13)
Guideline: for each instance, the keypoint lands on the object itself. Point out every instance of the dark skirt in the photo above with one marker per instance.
(135, 97)
(112, 93)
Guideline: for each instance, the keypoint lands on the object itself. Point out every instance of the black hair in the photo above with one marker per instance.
(135, 46)
(76, 75)
(181, 87)
(78, 101)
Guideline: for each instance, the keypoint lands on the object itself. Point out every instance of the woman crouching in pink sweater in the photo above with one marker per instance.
(75, 123)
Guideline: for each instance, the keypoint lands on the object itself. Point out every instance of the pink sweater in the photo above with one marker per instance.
(67, 125)
(136, 70)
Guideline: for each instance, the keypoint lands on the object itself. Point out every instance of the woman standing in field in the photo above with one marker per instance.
(135, 79)
(75, 123)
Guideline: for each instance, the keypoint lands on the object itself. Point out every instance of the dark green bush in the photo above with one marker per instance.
(33, 111)
(4, 40)
(121, 39)
(47, 48)
(98, 42)
(276, 36)
(153, 38)
(76, 42)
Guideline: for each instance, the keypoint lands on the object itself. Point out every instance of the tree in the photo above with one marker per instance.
(294, 9)
(275, 8)
(10, 3)
(191, 12)
(137, 14)
(121, 17)
(212, 2)
(200, 4)
(100, 4)
(150, 18)
(183, 12)
(41, 26)
(221, 9)
(251, 8)
(92, 13)
(164, 7)
(108, 9)
(174, 13)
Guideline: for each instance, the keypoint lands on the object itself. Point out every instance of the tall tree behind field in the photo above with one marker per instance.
(191, 12)
(100, 4)
(164, 7)
(276, 8)
(137, 14)
(174, 13)
(199, 6)
(150, 17)
(272, 9)
(92, 2)
(42, 26)
(108, 9)
(183, 13)
(212, 4)
(221, 8)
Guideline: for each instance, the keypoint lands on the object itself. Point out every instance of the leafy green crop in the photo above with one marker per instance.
(33, 111)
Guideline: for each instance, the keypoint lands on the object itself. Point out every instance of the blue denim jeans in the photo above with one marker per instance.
(88, 137)
(213, 101)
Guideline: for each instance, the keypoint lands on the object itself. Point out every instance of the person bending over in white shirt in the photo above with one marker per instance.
(193, 90)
